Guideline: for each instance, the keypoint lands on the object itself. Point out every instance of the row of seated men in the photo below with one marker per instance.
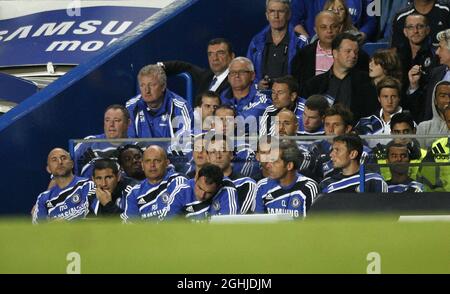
(213, 187)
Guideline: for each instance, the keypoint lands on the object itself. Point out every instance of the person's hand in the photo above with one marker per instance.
(264, 83)
(414, 75)
(104, 196)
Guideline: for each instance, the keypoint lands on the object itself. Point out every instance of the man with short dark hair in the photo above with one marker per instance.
(220, 53)
(200, 198)
(284, 95)
(220, 152)
(398, 157)
(346, 156)
(130, 160)
(115, 124)
(343, 83)
(111, 188)
(68, 198)
(207, 103)
(285, 190)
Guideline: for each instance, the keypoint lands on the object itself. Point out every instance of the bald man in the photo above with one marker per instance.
(67, 199)
(148, 199)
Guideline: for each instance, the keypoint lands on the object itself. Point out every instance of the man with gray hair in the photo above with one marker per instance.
(285, 190)
(157, 112)
(243, 94)
(273, 49)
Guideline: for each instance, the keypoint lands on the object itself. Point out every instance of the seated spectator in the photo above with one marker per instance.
(312, 119)
(317, 58)
(157, 112)
(262, 152)
(284, 95)
(337, 121)
(345, 19)
(148, 199)
(398, 157)
(243, 94)
(226, 122)
(115, 125)
(130, 161)
(272, 50)
(111, 188)
(384, 62)
(68, 198)
(209, 194)
(199, 157)
(304, 12)
(403, 124)
(425, 96)
(220, 153)
(220, 53)
(346, 156)
(436, 11)
(437, 178)
(209, 101)
(437, 125)
(388, 91)
(344, 83)
(285, 190)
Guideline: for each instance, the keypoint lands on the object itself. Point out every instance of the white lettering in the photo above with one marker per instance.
(74, 266)
(2, 33)
(374, 8)
(92, 46)
(22, 32)
(87, 27)
(108, 30)
(374, 267)
(74, 8)
(49, 29)
(62, 45)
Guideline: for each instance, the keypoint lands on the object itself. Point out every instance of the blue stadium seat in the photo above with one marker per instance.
(370, 48)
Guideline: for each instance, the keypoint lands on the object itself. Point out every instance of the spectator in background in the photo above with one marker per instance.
(243, 95)
(440, 73)
(68, 198)
(115, 124)
(437, 178)
(220, 53)
(111, 188)
(400, 182)
(284, 95)
(346, 156)
(389, 9)
(209, 101)
(388, 90)
(304, 12)
(385, 62)
(273, 49)
(343, 83)
(418, 58)
(436, 11)
(130, 160)
(437, 125)
(199, 157)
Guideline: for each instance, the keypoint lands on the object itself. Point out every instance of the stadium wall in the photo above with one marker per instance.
(72, 107)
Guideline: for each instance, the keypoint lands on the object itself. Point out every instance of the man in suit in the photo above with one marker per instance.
(214, 78)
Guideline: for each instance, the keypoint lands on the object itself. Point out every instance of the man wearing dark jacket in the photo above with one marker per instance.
(343, 83)
(214, 78)
(317, 58)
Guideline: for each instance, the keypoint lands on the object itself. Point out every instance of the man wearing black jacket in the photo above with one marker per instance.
(343, 83)
(110, 188)
(215, 78)
(317, 57)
